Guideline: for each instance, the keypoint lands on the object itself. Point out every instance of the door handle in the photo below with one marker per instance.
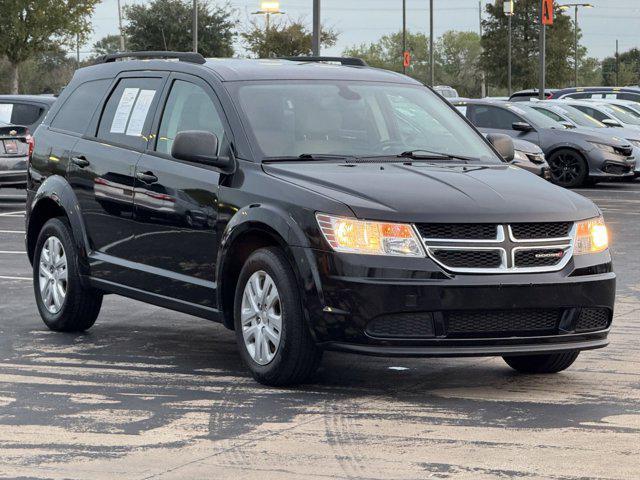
(146, 177)
(80, 161)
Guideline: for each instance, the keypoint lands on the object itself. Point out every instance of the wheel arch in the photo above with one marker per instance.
(252, 228)
(56, 198)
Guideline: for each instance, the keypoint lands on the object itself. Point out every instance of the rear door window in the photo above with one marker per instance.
(74, 116)
(127, 115)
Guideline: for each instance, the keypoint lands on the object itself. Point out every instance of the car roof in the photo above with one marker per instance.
(235, 70)
(46, 99)
(598, 89)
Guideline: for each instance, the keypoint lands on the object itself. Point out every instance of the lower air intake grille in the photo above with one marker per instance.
(593, 319)
(402, 325)
(469, 258)
(531, 231)
(501, 323)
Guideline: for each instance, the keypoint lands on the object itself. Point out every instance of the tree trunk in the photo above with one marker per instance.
(15, 78)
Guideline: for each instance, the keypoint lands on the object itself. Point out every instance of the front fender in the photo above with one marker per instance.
(57, 190)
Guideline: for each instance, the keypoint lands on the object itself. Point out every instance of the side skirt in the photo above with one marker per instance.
(155, 299)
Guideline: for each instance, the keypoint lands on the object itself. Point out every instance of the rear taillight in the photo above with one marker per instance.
(32, 144)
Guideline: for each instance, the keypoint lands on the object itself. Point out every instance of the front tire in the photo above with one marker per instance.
(551, 363)
(272, 335)
(568, 168)
(65, 305)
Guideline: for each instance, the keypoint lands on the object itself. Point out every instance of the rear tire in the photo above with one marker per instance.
(551, 363)
(66, 305)
(568, 168)
(296, 356)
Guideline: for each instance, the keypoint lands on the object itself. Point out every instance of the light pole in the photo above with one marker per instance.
(268, 8)
(432, 62)
(576, 6)
(120, 26)
(404, 34)
(315, 43)
(508, 11)
(195, 26)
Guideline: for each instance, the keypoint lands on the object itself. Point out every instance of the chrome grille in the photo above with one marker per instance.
(514, 248)
(529, 231)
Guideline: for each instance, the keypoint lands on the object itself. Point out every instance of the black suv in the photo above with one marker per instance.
(308, 205)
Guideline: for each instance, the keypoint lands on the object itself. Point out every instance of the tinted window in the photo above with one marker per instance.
(592, 112)
(20, 113)
(128, 113)
(188, 107)
(578, 95)
(629, 96)
(485, 116)
(357, 118)
(75, 114)
(550, 114)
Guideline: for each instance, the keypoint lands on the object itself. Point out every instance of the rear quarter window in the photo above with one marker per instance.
(76, 112)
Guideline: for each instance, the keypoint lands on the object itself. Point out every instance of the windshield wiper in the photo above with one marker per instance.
(420, 154)
(308, 157)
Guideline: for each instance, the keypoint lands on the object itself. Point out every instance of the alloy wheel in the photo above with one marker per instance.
(53, 276)
(566, 168)
(261, 317)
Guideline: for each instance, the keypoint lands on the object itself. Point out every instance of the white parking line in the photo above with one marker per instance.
(12, 252)
(4, 277)
(13, 231)
(13, 214)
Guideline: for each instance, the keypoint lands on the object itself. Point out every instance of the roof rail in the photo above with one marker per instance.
(351, 61)
(191, 57)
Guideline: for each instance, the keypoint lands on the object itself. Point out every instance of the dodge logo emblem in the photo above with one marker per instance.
(550, 255)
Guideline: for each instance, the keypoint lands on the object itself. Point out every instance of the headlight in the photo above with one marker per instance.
(604, 147)
(369, 238)
(520, 156)
(591, 236)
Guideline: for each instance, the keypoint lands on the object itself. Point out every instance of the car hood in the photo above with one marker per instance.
(423, 192)
(613, 138)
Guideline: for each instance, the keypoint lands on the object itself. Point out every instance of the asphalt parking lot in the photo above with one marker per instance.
(148, 393)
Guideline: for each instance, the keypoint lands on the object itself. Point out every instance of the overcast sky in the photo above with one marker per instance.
(361, 21)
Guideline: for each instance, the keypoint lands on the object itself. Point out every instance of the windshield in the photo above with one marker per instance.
(531, 115)
(620, 114)
(356, 119)
(576, 116)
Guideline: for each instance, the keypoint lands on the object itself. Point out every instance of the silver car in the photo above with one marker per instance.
(16, 144)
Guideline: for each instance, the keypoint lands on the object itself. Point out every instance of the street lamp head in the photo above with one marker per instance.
(508, 8)
(567, 6)
(270, 6)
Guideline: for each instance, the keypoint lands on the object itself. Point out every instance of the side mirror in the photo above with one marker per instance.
(503, 144)
(199, 146)
(610, 122)
(567, 125)
(521, 126)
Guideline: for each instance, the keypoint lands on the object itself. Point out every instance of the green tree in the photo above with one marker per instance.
(387, 53)
(29, 27)
(167, 25)
(525, 53)
(106, 45)
(459, 62)
(626, 71)
(284, 39)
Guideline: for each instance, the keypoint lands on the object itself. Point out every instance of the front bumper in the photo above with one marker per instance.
(345, 294)
(608, 165)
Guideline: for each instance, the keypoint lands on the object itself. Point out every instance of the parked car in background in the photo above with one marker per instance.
(575, 156)
(530, 94)
(446, 91)
(16, 144)
(25, 110)
(562, 112)
(610, 115)
(597, 93)
(629, 106)
(530, 157)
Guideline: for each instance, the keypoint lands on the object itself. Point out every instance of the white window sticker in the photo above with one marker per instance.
(123, 111)
(139, 113)
(6, 109)
(611, 96)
